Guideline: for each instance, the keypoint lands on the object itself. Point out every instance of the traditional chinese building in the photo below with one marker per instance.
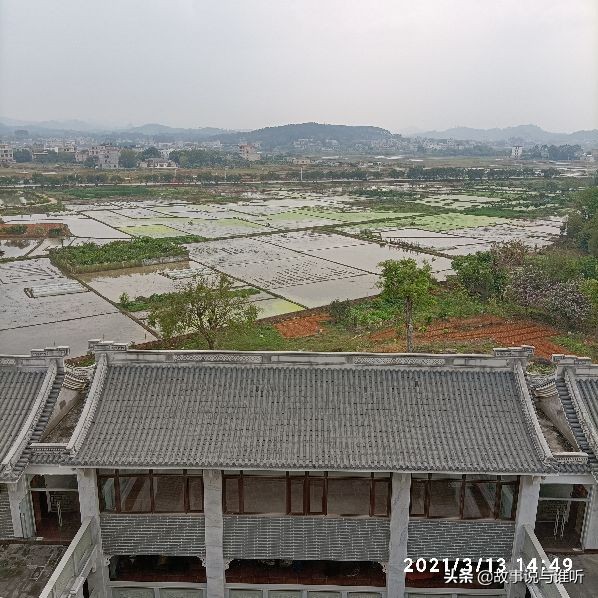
(195, 474)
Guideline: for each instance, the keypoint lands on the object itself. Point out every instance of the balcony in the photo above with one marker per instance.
(71, 572)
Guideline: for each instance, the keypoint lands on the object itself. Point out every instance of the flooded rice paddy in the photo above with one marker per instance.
(298, 249)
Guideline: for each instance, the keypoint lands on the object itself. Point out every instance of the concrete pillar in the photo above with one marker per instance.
(590, 539)
(399, 526)
(17, 491)
(527, 508)
(214, 561)
(89, 506)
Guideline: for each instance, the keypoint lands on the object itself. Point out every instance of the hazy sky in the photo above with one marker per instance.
(252, 63)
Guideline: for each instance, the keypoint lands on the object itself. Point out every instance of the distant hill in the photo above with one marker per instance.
(529, 133)
(286, 135)
(155, 129)
(63, 128)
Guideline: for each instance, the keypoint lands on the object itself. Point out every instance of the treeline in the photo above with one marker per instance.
(558, 284)
(554, 152)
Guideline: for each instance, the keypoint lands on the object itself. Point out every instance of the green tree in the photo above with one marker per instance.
(22, 155)
(406, 287)
(150, 152)
(205, 307)
(127, 158)
(91, 162)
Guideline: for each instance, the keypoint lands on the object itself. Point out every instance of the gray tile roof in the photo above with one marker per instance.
(588, 393)
(285, 416)
(580, 437)
(18, 391)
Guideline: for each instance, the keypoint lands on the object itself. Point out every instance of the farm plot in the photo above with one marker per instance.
(356, 215)
(291, 220)
(368, 256)
(300, 240)
(155, 231)
(278, 274)
(445, 222)
(237, 251)
(79, 225)
(62, 320)
(217, 227)
(458, 201)
(143, 281)
(16, 248)
(317, 294)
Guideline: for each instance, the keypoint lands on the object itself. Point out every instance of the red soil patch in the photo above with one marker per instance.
(302, 325)
(32, 231)
(506, 333)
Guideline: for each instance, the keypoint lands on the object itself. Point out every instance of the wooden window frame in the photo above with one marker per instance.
(151, 474)
(307, 480)
(426, 482)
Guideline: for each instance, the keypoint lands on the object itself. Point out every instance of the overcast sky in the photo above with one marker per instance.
(429, 64)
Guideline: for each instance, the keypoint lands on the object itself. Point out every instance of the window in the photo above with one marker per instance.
(263, 494)
(445, 496)
(150, 491)
(464, 497)
(135, 494)
(349, 496)
(307, 494)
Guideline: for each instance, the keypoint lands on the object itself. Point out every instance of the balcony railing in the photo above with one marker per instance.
(532, 552)
(73, 568)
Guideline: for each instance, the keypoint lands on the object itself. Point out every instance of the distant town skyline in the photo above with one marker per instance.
(248, 64)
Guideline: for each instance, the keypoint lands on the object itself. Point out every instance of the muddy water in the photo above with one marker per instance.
(16, 248)
(142, 281)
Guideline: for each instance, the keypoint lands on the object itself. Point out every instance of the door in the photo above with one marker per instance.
(26, 513)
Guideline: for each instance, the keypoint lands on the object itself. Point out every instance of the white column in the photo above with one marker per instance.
(16, 493)
(89, 506)
(214, 561)
(590, 539)
(527, 508)
(399, 525)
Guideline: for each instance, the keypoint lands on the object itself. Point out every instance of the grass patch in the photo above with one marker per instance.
(578, 345)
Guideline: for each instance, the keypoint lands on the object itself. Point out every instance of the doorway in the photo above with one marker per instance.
(561, 516)
(56, 510)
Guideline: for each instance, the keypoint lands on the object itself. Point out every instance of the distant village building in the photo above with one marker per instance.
(157, 163)
(6, 154)
(517, 152)
(107, 156)
(300, 161)
(249, 152)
